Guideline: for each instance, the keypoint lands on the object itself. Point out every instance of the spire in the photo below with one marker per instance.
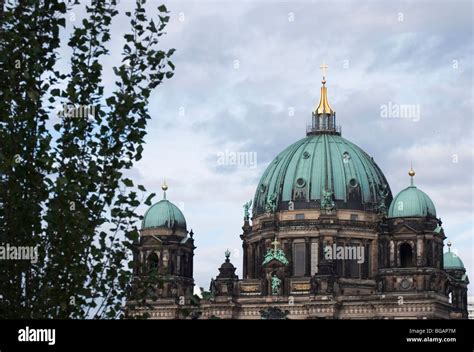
(164, 188)
(324, 107)
(411, 173)
(323, 117)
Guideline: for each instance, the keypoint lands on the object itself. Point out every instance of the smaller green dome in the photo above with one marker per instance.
(411, 202)
(452, 261)
(164, 214)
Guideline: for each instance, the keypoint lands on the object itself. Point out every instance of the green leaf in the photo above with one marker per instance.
(149, 198)
(127, 182)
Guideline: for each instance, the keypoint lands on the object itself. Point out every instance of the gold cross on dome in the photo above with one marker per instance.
(323, 68)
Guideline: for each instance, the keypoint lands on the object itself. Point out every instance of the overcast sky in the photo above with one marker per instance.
(247, 77)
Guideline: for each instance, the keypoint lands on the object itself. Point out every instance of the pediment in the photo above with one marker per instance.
(273, 263)
(151, 240)
(404, 228)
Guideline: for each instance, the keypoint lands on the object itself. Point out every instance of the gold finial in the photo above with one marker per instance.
(324, 107)
(411, 173)
(164, 187)
(449, 246)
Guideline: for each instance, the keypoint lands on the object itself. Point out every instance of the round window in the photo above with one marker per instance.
(263, 188)
(300, 182)
(353, 182)
(306, 155)
(405, 284)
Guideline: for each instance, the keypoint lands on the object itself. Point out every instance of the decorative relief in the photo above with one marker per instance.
(250, 288)
(301, 287)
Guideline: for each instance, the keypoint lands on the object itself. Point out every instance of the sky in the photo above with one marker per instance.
(247, 78)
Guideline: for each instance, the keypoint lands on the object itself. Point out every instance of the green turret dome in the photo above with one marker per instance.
(164, 214)
(322, 162)
(411, 202)
(452, 261)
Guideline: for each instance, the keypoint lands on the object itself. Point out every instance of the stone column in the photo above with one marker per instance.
(419, 252)
(392, 254)
(255, 260)
(251, 261)
(290, 258)
(244, 266)
(314, 257)
(374, 255)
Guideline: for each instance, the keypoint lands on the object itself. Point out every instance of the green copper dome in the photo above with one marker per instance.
(411, 202)
(452, 261)
(322, 162)
(164, 214)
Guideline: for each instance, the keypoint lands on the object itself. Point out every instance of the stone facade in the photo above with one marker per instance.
(385, 289)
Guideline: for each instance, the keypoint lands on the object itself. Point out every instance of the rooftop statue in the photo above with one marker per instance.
(270, 205)
(246, 210)
(327, 203)
(383, 193)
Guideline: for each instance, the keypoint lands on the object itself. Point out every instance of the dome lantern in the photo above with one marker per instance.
(323, 117)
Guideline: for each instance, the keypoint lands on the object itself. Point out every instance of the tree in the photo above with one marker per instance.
(62, 188)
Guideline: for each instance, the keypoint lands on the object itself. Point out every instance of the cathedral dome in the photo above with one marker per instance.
(164, 214)
(322, 162)
(452, 261)
(411, 202)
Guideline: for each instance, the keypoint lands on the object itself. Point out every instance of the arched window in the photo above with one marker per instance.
(152, 262)
(406, 255)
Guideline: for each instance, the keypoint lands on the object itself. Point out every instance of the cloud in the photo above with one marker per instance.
(247, 77)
